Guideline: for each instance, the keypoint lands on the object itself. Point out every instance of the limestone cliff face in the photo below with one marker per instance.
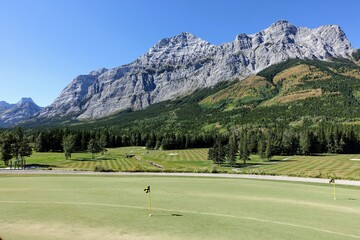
(16, 113)
(5, 106)
(179, 65)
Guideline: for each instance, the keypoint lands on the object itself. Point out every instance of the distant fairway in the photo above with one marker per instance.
(182, 160)
(195, 160)
(320, 166)
(108, 207)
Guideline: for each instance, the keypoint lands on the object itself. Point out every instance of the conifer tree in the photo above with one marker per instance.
(68, 145)
(232, 150)
(244, 152)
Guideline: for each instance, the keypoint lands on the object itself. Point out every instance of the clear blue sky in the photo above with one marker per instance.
(44, 44)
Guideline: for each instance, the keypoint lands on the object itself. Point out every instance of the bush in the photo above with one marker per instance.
(214, 169)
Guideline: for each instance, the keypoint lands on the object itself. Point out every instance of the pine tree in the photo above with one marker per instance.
(305, 143)
(68, 145)
(244, 152)
(261, 148)
(102, 143)
(232, 150)
(218, 152)
(268, 149)
(6, 141)
(93, 147)
(40, 143)
(21, 146)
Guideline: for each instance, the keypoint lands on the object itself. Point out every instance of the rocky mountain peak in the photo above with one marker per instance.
(16, 113)
(179, 65)
(5, 106)
(25, 100)
(280, 29)
(282, 22)
(184, 37)
(179, 41)
(98, 72)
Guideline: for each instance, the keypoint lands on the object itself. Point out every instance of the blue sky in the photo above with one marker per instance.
(44, 44)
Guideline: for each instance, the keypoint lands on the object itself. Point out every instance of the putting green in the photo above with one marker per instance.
(94, 207)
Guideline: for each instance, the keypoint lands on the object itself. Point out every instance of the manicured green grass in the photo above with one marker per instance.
(89, 207)
(195, 160)
(322, 166)
(190, 160)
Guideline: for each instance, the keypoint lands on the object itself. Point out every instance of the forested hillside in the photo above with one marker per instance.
(300, 101)
(297, 93)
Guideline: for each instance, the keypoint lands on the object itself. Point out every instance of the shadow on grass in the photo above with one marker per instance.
(36, 165)
(242, 165)
(320, 155)
(93, 159)
(280, 160)
(166, 215)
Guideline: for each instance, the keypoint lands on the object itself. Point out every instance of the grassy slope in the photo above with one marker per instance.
(288, 82)
(39, 208)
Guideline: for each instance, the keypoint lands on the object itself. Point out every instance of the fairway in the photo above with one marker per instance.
(340, 166)
(109, 207)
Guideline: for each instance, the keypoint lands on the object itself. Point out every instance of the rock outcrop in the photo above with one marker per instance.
(179, 65)
(16, 113)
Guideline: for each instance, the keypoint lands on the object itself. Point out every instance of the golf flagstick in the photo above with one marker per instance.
(147, 190)
(334, 186)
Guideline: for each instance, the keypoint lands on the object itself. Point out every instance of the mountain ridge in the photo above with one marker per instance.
(181, 64)
(295, 93)
(13, 114)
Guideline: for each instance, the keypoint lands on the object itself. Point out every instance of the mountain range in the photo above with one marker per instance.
(11, 114)
(180, 65)
(297, 93)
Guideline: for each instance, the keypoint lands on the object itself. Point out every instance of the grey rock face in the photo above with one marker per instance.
(16, 113)
(5, 106)
(179, 65)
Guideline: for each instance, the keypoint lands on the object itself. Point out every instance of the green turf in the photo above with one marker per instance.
(190, 160)
(195, 160)
(88, 207)
(322, 166)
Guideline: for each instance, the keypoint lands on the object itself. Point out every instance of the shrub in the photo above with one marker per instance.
(214, 169)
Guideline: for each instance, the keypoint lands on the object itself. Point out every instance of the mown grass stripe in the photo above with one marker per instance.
(269, 221)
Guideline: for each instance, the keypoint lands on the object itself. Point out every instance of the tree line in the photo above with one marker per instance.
(277, 141)
(224, 147)
(15, 145)
(69, 141)
(52, 140)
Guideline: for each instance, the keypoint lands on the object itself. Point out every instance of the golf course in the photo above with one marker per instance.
(339, 166)
(36, 207)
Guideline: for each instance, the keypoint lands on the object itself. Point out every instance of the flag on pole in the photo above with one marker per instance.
(147, 190)
(332, 181)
